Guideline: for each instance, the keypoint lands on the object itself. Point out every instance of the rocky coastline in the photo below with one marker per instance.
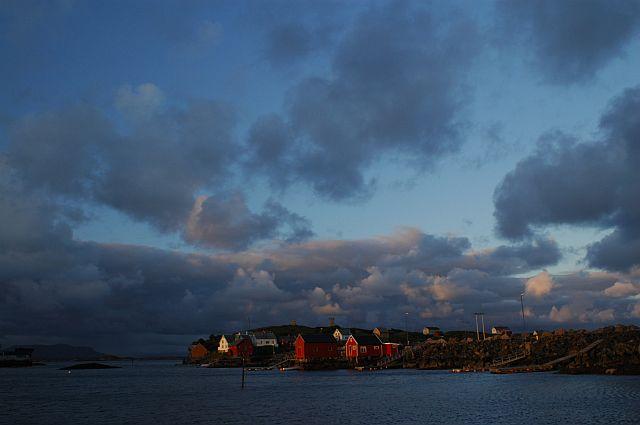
(617, 353)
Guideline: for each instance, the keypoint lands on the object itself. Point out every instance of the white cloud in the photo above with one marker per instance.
(539, 285)
(564, 314)
(621, 289)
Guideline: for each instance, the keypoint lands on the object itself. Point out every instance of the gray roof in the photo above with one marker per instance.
(240, 338)
(318, 338)
(229, 338)
(264, 335)
(367, 339)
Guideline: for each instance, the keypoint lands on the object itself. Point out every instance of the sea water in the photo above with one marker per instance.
(166, 393)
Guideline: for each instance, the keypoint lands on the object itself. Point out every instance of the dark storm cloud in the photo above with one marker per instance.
(57, 287)
(270, 139)
(56, 150)
(225, 221)
(150, 172)
(396, 88)
(571, 40)
(289, 42)
(155, 172)
(53, 285)
(589, 183)
(150, 166)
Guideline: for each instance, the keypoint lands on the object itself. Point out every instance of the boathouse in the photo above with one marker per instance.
(201, 349)
(363, 347)
(390, 349)
(241, 347)
(316, 347)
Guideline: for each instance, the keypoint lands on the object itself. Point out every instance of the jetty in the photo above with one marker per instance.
(545, 367)
(278, 365)
(514, 357)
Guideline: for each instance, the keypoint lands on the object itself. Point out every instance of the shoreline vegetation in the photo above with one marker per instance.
(612, 350)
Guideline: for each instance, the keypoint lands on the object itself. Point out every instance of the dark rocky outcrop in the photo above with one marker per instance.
(617, 353)
(80, 366)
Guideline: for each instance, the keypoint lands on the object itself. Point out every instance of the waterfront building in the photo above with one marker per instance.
(501, 330)
(225, 342)
(342, 335)
(201, 349)
(363, 346)
(390, 349)
(316, 347)
(18, 356)
(262, 339)
(241, 347)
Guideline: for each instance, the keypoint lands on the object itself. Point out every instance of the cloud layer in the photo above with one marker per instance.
(597, 183)
(396, 88)
(571, 40)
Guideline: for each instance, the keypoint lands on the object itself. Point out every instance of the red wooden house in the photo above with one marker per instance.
(365, 346)
(390, 349)
(316, 347)
(241, 347)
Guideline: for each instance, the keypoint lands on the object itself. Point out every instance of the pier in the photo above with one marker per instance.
(545, 367)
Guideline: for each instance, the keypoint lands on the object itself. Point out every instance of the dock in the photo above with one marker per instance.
(545, 367)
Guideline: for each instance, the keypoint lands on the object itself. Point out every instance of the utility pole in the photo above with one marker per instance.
(524, 324)
(477, 329)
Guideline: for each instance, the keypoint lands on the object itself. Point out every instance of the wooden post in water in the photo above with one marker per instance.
(243, 373)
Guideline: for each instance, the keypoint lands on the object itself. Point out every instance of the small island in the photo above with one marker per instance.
(82, 366)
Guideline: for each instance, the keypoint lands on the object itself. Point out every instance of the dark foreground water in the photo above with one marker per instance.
(162, 393)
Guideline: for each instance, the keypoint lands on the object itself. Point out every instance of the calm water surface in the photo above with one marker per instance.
(162, 393)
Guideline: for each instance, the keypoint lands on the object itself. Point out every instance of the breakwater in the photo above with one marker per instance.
(618, 351)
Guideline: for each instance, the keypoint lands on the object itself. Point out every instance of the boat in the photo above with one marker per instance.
(285, 369)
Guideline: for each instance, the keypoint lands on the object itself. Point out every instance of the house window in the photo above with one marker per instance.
(376, 348)
(363, 349)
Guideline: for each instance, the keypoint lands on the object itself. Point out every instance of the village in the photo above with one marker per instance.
(608, 350)
(331, 347)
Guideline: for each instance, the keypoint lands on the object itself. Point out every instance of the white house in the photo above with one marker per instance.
(342, 335)
(225, 342)
(431, 330)
(500, 330)
(261, 339)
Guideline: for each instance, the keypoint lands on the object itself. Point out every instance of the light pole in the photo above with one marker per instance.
(524, 324)
(406, 326)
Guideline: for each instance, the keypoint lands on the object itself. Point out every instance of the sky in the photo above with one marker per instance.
(170, 170)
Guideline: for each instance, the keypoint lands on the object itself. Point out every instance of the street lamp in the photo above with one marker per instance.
(406, 326)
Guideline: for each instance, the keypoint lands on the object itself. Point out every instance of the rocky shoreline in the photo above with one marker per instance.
(618, 352)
